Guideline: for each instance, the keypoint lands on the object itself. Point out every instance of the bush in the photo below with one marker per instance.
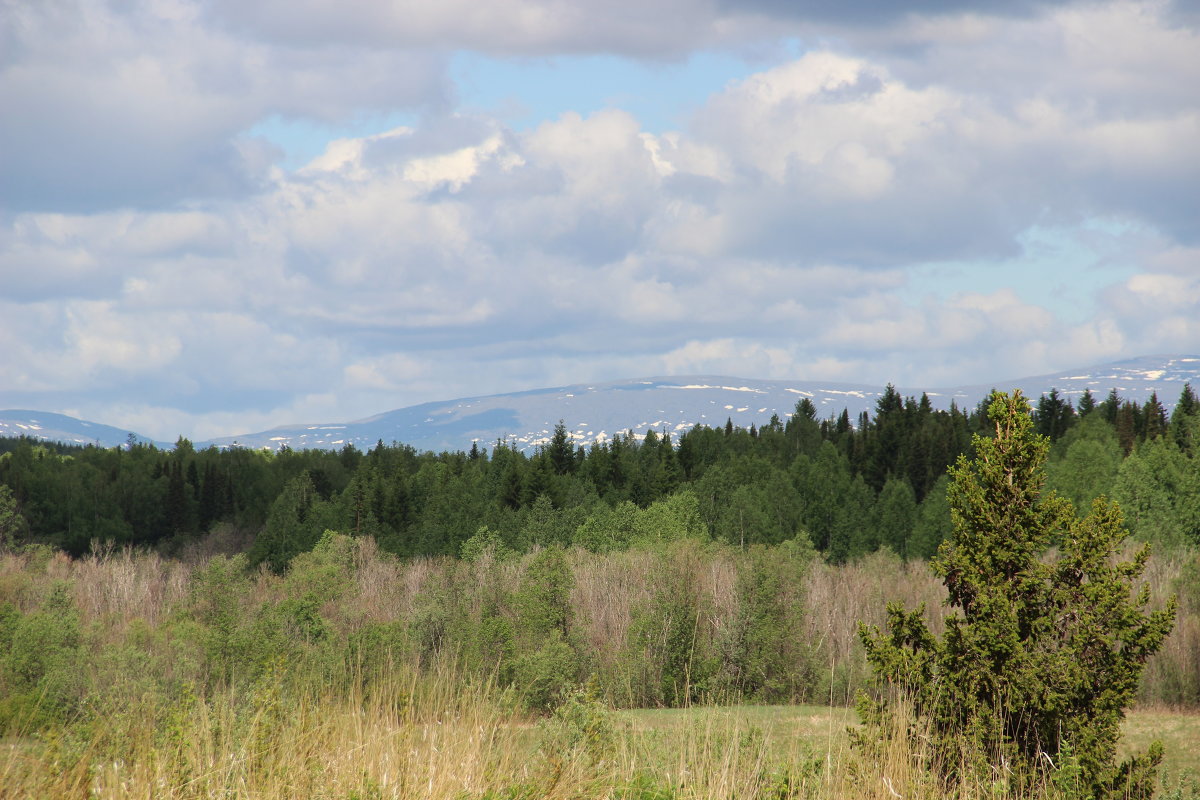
(42, 665)
(1036, 670)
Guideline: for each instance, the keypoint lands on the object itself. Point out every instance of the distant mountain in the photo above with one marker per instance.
(594, 411)
(61, 428)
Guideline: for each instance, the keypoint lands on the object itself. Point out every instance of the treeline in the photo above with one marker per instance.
(847, 487)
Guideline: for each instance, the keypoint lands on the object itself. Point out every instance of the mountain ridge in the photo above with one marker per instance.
(598, 410)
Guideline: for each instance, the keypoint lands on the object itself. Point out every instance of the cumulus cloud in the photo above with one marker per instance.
(776, 235)
(142, 104)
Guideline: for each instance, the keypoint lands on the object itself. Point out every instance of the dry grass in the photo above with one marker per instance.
(448, 737)
(408, 737)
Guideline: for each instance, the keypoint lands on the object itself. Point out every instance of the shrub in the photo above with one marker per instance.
(43, 664)
(767, 655)
(1036, 669)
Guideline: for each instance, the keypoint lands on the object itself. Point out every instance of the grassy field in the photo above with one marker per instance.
(821, 730)
(418, 738)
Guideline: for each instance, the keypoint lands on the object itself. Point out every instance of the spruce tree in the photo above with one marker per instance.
(561, 450)
(1087, 403)
(1188, 404)
(1110, 406)
(1182, 428)
(1155, 417)
(1054, 415)
(1034, 671)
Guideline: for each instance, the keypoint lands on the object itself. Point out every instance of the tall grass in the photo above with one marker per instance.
(399, 735)
(441, 734)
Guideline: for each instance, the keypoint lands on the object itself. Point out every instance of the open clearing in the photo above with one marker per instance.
(820, 730)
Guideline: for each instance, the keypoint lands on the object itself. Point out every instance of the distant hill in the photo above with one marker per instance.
(593, 411)
(61, 428)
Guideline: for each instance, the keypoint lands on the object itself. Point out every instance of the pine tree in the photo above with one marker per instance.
(895, 515)
(891, 427)
(287, 532)
(561, 450)
(843, 423)
(1188, 404)
(211, 491)
(1110, 406)
(1054, 415)
(1087, 403)
(1183, 430)
(803, 432)
(1035, 670)
(1155, 417)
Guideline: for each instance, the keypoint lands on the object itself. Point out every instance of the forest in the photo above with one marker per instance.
(847, 488)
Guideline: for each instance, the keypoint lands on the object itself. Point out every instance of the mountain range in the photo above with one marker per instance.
(595, 411)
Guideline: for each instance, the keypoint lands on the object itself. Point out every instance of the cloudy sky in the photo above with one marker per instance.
(219, 216)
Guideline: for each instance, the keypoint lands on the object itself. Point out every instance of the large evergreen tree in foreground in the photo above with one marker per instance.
(1029, 682)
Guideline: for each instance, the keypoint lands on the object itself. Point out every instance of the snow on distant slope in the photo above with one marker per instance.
(50, 427)
(596, 411)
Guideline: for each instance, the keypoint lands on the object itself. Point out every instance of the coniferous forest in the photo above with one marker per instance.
(845, 487)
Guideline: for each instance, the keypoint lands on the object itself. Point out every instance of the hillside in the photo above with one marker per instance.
(595, 411)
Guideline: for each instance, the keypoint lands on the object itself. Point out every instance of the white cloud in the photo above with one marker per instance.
(775, 236)
(143, 104)
(728, 357)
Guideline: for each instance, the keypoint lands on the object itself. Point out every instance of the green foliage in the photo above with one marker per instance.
(544, 674)
(13, 525)
(895, 516)
(543, 602)
(485, 542)
(216, 604)
(674, 518)
(1158, 486)
(1089, 459)
(767, 655)
(837, 505)
(670, 519)
(933, 524)
(582, 725)
(646, 786)
(547, 666)
(847, 483)
(672, 663)
(41, 665)
(609, 528)
(293, 526)
(1045, 653)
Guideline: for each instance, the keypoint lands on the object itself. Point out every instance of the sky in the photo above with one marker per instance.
(218, 216)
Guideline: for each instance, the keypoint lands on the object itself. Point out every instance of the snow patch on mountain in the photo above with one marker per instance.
(667, 405)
